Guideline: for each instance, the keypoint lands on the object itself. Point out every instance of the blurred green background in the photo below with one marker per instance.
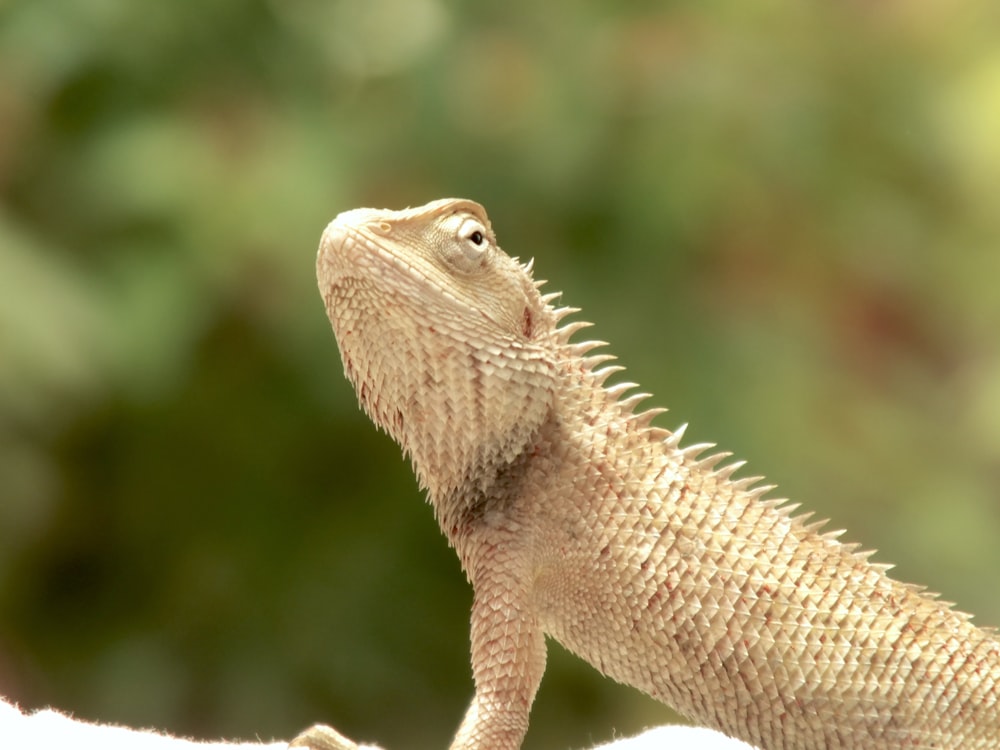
(784, 216)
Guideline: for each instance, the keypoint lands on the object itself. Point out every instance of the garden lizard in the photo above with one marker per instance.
(575, 517)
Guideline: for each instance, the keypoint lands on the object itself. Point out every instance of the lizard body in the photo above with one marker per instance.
(573, 516)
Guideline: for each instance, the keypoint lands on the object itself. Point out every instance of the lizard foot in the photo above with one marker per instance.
(322, 737)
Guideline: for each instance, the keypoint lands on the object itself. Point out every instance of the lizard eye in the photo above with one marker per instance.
(472, 235)
(466, 242)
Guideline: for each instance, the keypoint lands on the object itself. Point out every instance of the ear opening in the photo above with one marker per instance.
(528, 322)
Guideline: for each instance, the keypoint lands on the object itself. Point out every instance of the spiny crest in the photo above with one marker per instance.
(712, 463)
(618, 389)
(578, 350)
(594, 364)
(604, 373)
(674, 441)
(693, 451)
(570, 328)
(645, 418)
(561, 312)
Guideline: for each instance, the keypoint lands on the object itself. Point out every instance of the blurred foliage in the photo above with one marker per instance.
(783, 215)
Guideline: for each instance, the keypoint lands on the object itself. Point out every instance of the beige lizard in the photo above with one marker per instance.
(574, 517)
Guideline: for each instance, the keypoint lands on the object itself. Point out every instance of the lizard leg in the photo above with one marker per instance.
(508, 659)
(508, 653)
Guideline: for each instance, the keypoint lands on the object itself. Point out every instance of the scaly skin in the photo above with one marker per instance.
(574, 517)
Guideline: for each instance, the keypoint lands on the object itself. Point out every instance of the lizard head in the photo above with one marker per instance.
(445, 337)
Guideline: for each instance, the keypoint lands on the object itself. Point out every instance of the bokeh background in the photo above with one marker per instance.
(784, 216)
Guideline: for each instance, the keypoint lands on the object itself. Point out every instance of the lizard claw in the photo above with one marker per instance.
(322, 737)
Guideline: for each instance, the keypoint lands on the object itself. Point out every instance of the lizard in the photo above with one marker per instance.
(574, 516)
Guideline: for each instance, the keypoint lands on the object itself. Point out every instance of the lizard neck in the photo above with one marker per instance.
(464, 439)
(494, 490)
